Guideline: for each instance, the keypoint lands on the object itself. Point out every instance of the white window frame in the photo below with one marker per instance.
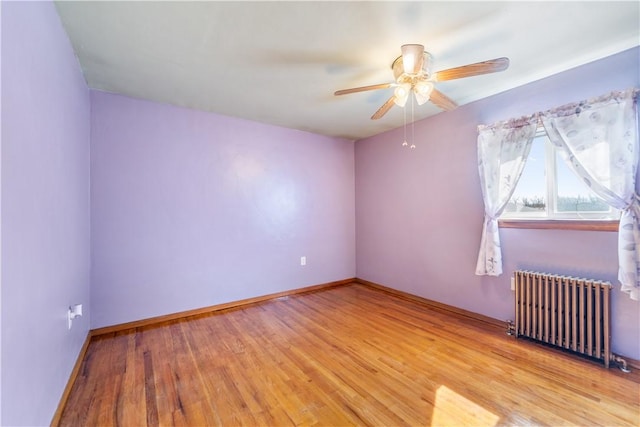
(550, 213)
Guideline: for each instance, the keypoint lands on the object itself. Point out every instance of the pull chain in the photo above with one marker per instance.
(404, 115)
(413, 133)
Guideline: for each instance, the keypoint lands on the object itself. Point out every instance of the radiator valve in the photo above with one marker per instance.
(622, 364)
(511, 328)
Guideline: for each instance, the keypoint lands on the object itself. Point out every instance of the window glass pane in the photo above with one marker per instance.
(567, 197)
(573, 194)
(530, 195)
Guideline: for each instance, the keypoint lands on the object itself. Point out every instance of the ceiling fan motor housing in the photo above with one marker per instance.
(423, 74)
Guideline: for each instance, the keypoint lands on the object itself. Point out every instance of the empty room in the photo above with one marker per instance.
(321, 213)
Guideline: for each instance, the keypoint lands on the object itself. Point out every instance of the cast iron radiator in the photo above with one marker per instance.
(567, 312)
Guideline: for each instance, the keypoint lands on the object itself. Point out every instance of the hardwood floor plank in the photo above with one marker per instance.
(132, 390)
(347, 355)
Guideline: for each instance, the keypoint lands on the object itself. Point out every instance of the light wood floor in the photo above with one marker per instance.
(350, 355)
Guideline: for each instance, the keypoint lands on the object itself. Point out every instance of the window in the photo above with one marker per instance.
(548, 189)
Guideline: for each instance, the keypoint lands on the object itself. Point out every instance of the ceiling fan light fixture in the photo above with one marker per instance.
(421, 99)
(412, 58)
(422, 91)
(401, 94)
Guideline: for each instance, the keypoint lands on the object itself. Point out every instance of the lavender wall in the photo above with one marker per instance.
(419, 212)
(191, 209)
(45, 210)
(1, 118)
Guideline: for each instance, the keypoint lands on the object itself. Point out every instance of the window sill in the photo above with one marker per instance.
(560, 224)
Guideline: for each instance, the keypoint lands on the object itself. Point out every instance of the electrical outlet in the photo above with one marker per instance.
(303, 260)
(513, 283)
(73, 312)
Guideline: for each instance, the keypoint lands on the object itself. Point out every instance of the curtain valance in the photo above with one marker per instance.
(574, 108)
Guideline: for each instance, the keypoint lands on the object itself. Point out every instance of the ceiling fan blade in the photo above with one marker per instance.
(362, 89)
(485, 67)
(383, 110)
(442, 100)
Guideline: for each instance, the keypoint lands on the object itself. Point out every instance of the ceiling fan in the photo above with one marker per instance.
(412, 73)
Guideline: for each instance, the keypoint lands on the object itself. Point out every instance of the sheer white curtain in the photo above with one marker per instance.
(600, 138)
(502, 151)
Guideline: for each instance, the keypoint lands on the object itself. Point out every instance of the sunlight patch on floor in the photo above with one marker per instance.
(453, 409)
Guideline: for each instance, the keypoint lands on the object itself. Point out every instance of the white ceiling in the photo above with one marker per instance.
(280, 62)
